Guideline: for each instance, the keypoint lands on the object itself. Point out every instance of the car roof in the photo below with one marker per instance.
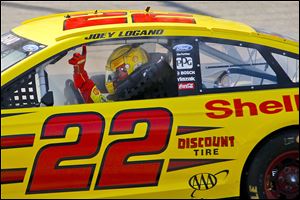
(51, 29)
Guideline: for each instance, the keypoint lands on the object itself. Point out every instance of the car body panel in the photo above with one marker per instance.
(232, 158)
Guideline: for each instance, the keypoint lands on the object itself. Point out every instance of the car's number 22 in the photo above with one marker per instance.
(48, 175)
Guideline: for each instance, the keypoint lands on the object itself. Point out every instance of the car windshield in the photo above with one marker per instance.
(14, 49)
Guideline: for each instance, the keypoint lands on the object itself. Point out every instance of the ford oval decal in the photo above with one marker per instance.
(183, 47)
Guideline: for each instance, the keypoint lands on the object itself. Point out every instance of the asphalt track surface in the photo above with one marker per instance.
(275, 16)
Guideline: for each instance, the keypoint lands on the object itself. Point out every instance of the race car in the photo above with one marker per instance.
(208, 109)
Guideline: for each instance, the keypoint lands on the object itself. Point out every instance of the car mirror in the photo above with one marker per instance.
(48, 99)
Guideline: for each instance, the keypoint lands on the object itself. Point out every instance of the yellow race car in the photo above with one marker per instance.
(148, 104)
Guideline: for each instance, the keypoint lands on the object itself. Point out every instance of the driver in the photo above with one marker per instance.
(120, 64)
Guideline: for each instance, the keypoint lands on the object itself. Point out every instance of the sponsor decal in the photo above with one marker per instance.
(184, 79)
(186, 86)
(205, 181)
(96, 91)
(183, 54)
(220, 109)
(62, 178)
(206, 146)
(125, 34)
(289, 140)
(187, 72)
(184, 63)
(183, 47)
(9, 39)
(30, 48)
(253, 192)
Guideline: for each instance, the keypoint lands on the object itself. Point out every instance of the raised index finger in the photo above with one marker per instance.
(83, 50)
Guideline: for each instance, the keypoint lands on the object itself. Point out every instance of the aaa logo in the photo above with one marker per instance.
(204, 181)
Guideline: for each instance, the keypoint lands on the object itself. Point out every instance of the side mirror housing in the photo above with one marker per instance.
(48, 99)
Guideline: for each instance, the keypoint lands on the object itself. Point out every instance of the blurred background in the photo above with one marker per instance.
(275, 16)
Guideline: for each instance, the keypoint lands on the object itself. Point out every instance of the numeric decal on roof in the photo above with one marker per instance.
(96, 19)
(163, 18)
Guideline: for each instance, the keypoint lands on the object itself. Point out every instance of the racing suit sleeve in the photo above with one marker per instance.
(87, 87)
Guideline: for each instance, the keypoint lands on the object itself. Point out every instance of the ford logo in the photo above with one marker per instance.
(183, 47)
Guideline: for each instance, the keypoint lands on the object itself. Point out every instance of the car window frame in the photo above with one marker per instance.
(283, 81)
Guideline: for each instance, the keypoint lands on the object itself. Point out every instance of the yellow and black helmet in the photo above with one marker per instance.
(122, 62)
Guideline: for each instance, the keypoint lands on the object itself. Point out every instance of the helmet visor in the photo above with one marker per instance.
(116, 77)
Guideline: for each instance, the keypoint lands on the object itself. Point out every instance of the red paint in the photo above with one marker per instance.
(242, 108)
(16, 141)
(239, 106)
(211, 105)
(196, 142)
(165, 18)
(116, 171)
(95, 20)
(47, 168)
(12, 175)
(271, 107)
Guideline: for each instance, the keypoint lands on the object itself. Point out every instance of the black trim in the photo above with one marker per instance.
(197, 163)
(246, 89)
(13, 114)
(282, 78)
(283, 81)
(21, 93)
(182, 130)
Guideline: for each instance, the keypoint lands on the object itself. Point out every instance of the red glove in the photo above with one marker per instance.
(81, 78)
(78, 60)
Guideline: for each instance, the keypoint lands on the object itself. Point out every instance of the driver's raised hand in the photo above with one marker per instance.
(78, 60)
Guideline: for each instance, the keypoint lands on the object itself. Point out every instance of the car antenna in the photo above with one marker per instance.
(147, 9)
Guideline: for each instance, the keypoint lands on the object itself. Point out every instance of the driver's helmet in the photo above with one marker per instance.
(121, 63)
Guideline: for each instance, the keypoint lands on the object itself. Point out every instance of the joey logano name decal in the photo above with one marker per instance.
(133, 33)
(220, 109)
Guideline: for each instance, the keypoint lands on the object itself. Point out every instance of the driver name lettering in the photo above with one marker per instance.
(141, 33)
(124, 34)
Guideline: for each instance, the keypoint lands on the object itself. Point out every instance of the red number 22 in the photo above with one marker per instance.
(115, 172)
